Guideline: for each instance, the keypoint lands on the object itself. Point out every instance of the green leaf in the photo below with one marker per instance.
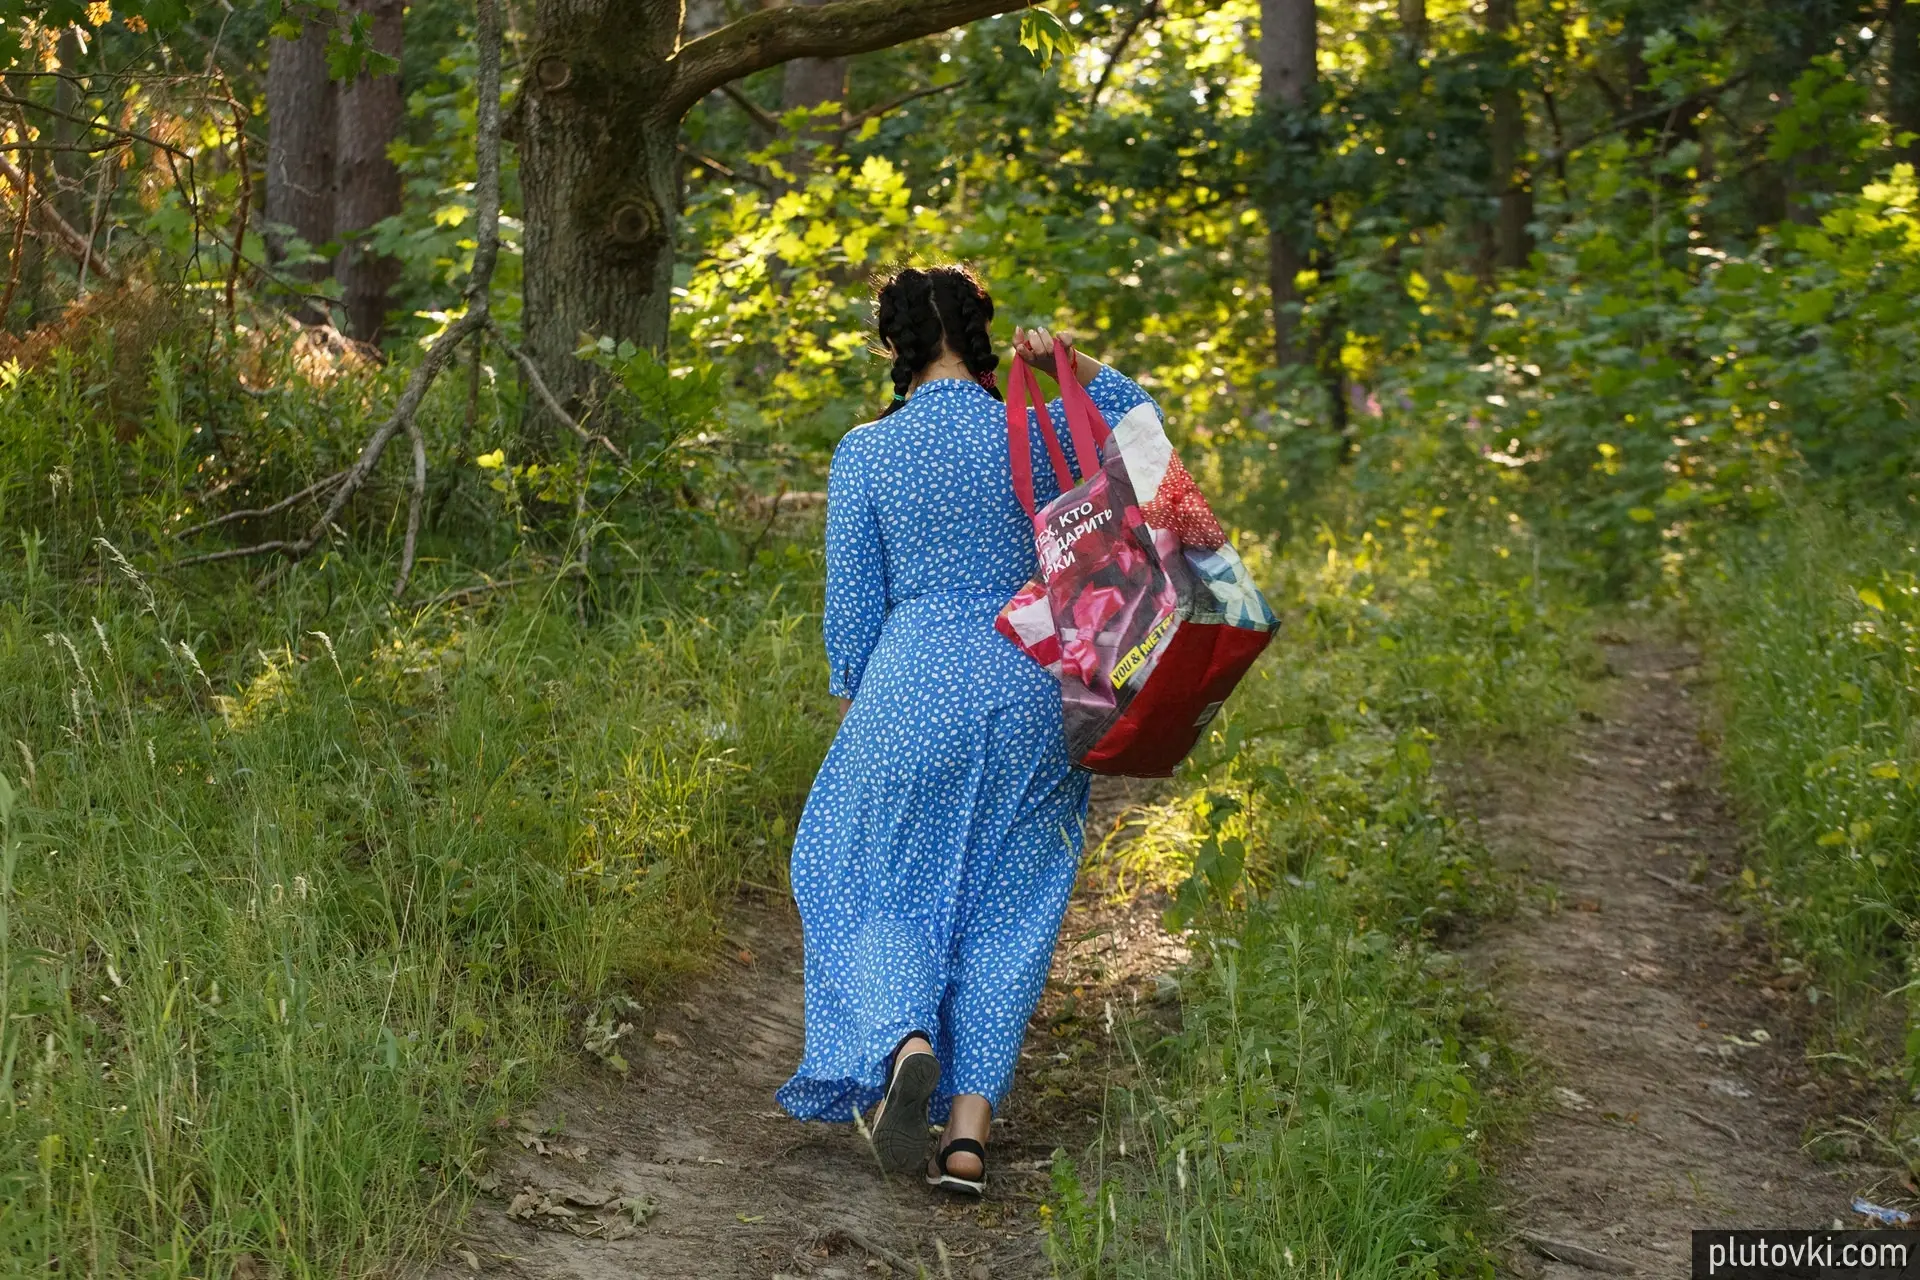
(1871, 598)
(1043, 34)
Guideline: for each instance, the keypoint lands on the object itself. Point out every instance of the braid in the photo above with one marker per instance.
(966, 313)
(909, 323)
(920, 313)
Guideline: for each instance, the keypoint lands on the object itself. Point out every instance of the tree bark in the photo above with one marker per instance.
(69, 167)
(1288, 43)
(1413, 28)
(1903, 75)
(1513, 198)
(814, 82)
(598, 125)
(599, 157)
(370, 112)
(302, 122)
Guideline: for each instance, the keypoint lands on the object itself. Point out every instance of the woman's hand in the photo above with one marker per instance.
(1035, 346)
(846, 705)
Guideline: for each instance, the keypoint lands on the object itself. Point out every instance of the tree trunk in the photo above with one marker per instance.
(1513, 199)
(302, 114)
(1288, 40)
(1903, 75)
(814, 82)
(370, 112)
(597, 124)
(599, 168)
(69, 167)
(1413, 28)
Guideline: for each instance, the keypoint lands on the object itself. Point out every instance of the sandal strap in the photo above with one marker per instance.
(964, 1146)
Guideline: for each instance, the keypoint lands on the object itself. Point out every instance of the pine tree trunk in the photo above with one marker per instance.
(814, 82)
(1413, 28)
(1513, 199)
(599, 168)
(1903, 75)
(1288, 40)
(370, 112)
(302, 115)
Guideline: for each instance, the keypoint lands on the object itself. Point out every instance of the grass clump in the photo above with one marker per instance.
(1816, 626)
(1321, 1105)
(299, 891)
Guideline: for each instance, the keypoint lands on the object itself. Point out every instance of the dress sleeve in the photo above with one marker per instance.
(1113, 393)
(856, 575)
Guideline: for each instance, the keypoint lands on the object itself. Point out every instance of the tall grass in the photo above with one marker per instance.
(300, 889)
(1816, 622)
(1319, 1108)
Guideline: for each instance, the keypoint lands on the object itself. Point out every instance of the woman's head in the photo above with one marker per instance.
(924, 313)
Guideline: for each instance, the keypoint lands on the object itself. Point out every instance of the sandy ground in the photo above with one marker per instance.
(1676, 1089)
(686, 1168)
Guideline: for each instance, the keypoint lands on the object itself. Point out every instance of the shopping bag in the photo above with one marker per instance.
(1141, 607)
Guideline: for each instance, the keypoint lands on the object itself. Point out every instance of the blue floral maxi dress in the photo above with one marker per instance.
(942, 836)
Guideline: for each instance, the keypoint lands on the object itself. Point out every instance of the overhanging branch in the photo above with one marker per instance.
(834, 30)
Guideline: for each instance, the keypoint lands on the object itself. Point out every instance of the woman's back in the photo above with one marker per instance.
(921, 507)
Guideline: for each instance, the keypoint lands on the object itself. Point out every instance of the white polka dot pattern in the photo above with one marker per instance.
(940, 842)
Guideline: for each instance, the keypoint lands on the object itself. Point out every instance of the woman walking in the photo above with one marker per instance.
(939, 845)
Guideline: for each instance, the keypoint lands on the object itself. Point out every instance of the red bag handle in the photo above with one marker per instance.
(1084, 421)
(1023, 387)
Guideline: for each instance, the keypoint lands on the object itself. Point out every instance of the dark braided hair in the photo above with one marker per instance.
(921, 311)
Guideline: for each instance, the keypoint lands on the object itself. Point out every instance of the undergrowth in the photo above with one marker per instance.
(1321, 1106)
(1816, 626)
(300, 890)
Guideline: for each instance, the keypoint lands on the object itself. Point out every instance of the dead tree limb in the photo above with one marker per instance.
(540, 388)
(15, 258)
(415, 503)
(755, 112)
(232, 517)
(477, 319)
(1127, 33)
(888, 108)
(76, 245)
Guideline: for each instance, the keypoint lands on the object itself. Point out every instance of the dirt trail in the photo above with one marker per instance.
(724, 1186)
(1677, 1097)
(1678, 1094)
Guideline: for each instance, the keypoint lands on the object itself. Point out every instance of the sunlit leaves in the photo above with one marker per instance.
(1043, 34)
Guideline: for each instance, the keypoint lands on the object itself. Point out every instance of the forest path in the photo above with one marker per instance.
(726, 1187)
(1678, 1094)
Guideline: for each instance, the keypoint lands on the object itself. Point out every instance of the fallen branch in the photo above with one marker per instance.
(415, 504)
(482, 588)
(477, 319)
(1576, 1255)
(1719, 1127)
(76, 245)
(356, 475)
(233, 517)
(854, 1236)
(540, 388)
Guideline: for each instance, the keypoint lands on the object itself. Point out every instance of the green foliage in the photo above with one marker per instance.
(1817, 624)
(299, 891)
(1322, 1104)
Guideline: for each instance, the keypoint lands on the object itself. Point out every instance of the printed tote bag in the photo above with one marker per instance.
(1141, 606)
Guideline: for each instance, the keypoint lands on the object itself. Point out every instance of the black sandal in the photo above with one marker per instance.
(945, 1181)
(900, 1138)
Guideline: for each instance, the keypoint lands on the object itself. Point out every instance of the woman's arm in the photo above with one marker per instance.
(856, 575)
